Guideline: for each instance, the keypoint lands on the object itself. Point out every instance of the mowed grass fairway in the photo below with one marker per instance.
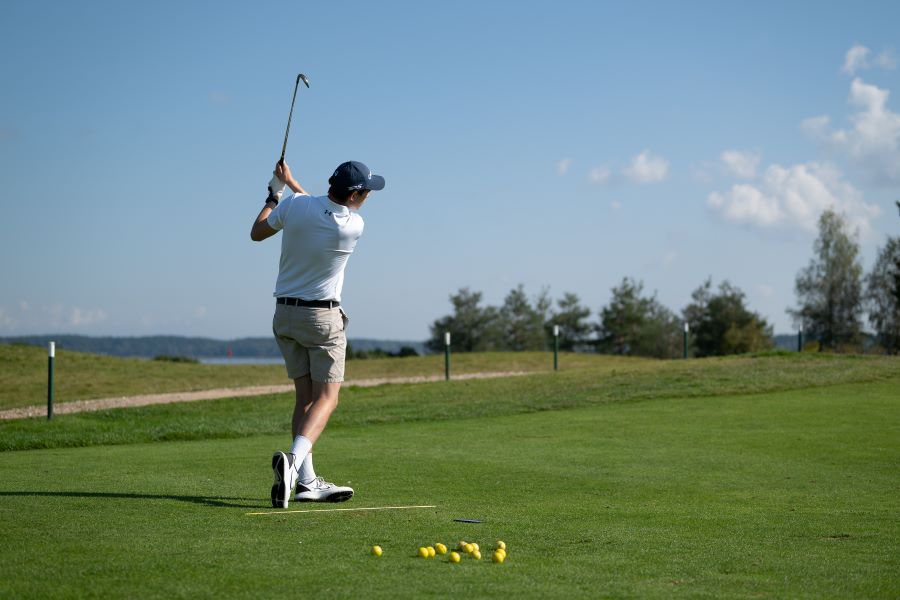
(773, 476)
(83, 376)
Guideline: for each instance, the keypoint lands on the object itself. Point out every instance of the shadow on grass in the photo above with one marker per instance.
(219, 501)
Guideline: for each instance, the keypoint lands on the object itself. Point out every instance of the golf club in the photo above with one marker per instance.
(300, 77)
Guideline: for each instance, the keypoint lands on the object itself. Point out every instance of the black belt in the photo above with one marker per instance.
(312, 303)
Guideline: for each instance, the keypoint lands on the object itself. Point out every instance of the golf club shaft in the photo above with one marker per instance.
(291, 114)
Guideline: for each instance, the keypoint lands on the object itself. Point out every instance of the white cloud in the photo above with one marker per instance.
(741, 164)
(600, 175)
(886, 59)
(6, 320)
(647, 168)
(562, 167)
(856, 59)
(873, 141)
(82, 317)
(794, 197)
(25, 317)
(816, 127)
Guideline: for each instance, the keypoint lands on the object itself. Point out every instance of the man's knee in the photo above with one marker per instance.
(326, 391)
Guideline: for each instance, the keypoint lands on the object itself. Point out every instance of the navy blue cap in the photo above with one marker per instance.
(354, 175)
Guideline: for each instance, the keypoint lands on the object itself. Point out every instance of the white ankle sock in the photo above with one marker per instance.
(300, 449)
(307, 473)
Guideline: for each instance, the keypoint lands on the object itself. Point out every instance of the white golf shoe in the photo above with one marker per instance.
(285, 477)
(319, 490)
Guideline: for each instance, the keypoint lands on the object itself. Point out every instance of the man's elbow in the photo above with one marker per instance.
(261, 231)
(257, 234)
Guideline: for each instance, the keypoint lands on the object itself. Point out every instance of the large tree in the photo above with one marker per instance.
(883, 296)
(572, 318)
(829, 290)
(720, 323)
(637, 325)
(523, 323)
(470, 325)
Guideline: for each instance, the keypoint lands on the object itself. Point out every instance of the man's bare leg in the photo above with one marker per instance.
(309, 421)
(315, 402)
(324, 400)
(303, 389)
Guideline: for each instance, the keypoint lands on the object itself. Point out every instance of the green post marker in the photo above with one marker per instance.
(447, 356)
(686, 330)
(556, 347)
(800, 340)
(50, 355)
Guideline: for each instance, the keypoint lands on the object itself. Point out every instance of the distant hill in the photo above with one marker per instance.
(195, 347)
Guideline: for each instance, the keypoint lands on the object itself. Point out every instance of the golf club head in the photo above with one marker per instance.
(302, 77)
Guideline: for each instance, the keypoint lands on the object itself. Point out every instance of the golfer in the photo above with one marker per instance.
(319, 234)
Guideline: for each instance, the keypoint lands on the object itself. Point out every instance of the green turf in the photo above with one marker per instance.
(618, 380)
(82, 376)
(783, 494)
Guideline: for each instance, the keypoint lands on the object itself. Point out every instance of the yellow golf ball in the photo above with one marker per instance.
(501, 545)
(469, 548)
(461, 545)
(441, 549)
(376, 550)
(430, 551)
(423, 552)
(501, 551)
(476, 554)
(498, 557)
(475, 545)
(454, 557)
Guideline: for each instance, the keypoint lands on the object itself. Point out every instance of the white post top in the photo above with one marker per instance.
(447, 338)
(556, 331)
(52, 349)
(686, 327)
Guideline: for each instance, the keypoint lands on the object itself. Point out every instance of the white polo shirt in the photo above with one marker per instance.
(317, 239)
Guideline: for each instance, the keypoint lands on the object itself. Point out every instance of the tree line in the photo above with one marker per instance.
(832, 295)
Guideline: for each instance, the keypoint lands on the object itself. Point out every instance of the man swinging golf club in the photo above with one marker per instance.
(318, 236)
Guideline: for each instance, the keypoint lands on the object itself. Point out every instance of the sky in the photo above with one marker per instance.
(564, 145)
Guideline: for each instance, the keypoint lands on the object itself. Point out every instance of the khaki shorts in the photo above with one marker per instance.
(312, 341)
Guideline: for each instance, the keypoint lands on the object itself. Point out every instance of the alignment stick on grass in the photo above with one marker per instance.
(285, 512)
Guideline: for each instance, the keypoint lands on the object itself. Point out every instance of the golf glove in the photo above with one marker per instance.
(276, 189)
